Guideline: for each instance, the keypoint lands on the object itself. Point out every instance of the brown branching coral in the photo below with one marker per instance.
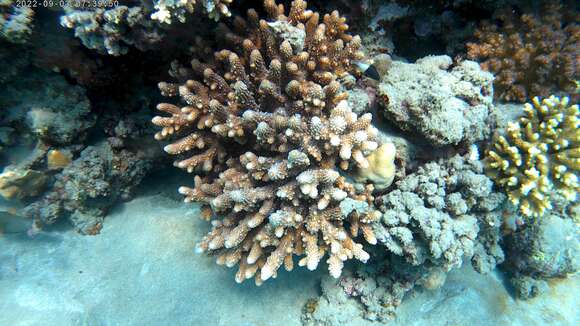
(530, 55)
(265, 126)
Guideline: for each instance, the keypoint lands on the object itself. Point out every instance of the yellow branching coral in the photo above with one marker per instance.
(539, 155)
(266, 127)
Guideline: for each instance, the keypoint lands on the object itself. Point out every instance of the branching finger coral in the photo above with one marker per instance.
(112, 30)
(529, 54)
(265, 126)
(539, 154)
(167, 10)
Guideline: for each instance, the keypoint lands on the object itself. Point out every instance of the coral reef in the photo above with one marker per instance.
(48, 107)
(432, 215)
(540, 252)
(269, 127)
(15, 21)
(112, 30)
(370, 292)
(87, 187)
(530, 55)
(438, 217)
(166, 11)
(415, 29)
(381, 169)
(141, 24)
(538, 155)
(423, 98)
(19, 184)
(13, 58)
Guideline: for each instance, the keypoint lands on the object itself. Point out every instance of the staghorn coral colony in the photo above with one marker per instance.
(267, 127)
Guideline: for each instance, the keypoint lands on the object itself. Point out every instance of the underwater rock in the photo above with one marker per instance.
(89, 186)
(542, 251)
(19, 184)
(442, 102)
(48, 107)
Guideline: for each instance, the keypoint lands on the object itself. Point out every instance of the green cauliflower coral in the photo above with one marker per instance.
(539, 155)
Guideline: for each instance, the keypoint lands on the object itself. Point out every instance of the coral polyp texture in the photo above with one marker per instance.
(167, 11)
(531, 55)
(142, 24)
(539, 155)
(113, 30)
(267, 127)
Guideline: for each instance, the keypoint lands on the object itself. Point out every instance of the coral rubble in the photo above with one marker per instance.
(538, 155)
(424, 97)
(267, 126)
(530, 55)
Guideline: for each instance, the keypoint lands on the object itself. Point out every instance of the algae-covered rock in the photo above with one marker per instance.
(20, 184)
(443, 103)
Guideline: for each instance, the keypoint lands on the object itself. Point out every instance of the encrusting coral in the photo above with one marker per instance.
(539, 154)
(529, 54)
(268, 125)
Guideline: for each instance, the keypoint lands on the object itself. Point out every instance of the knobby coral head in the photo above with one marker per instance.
(539, 155)
(266, 127)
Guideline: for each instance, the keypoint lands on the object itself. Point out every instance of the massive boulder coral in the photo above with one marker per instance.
(424, 97)
(538, 155)
(266, 127)
(530, 55)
